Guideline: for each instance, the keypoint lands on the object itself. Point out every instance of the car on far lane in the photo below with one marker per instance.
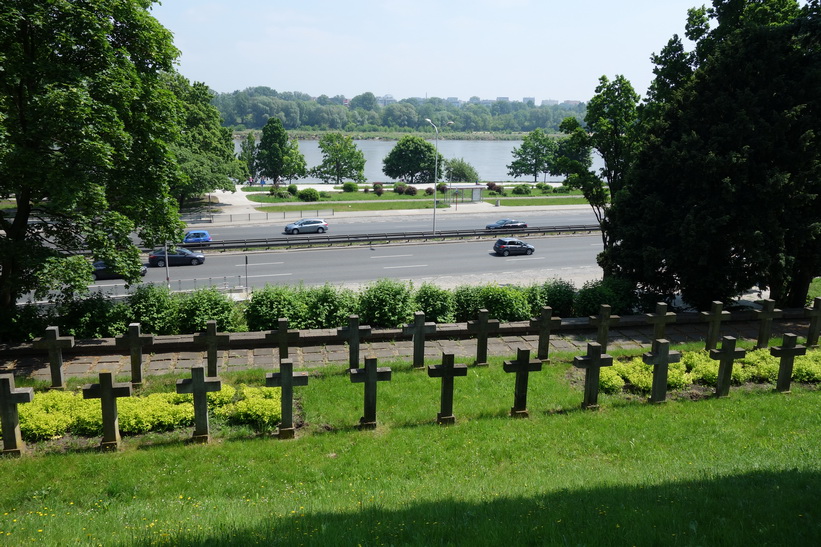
(506, 224)
(176, 257)
(197, 237)
(505, 246)
(102, 271)
(307, 225)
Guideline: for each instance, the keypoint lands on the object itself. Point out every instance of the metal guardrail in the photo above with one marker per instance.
(309, 240)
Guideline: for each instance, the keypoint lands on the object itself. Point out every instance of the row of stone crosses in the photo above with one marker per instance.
(205, 380)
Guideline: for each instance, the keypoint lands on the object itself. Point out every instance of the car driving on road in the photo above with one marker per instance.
(511, 246)
(176, 257)
(307, 225)
(197, 237)
(102, 271)
(506, 224)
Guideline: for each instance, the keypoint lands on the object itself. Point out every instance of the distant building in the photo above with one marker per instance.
(549, 102)
(529, 100)
(385, 100)
(571, 104)
(503, 99)
(454, 101)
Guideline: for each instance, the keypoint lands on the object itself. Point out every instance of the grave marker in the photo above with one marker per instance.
(108, 391)
(546, 322)
(369, 376)
(725, 357)
(660, 357)
(482, 327)
(603, 322)
(199, 386)
(418, 329)
(787, 351)
(352, 334)
(814, 313)
(286, 379)
(446, 371)
(522, 366)
(10, 397)
(55, 344)
(592, 364)
(660, 319)
(213, 341)
(283, 337)
(134, 342)
(715, 316)
(766, 314)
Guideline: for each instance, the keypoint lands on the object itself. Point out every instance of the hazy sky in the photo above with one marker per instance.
(545, 49)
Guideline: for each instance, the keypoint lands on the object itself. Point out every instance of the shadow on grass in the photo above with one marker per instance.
(760, 508)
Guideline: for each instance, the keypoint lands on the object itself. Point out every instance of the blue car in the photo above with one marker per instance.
(197, 237)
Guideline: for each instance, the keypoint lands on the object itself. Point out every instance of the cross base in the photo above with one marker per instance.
(782, 390)
(445, 420)
(200, 439)
(58, 388)
(13, 452)
(478, 364)
(519, 413)
(586, 406)
(656, 401)
(109, 446)
(284, 433)
(366, 425)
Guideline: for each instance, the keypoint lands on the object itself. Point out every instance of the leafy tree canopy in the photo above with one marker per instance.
(271, 151)
(458, 170)
(411, 160)
(341, 160)
(536, 155)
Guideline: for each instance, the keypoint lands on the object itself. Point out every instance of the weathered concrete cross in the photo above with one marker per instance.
(766, 314)
(283, 337)
(660, 319)
(286, 379)
(592, 364)
(199, 386)
(369, 376)
(814, 313)
(108, 391)
(603, 321)
(10, 397)
(213, 341)
(482, 327)
(353, 334)
(715, 316)
(418, 329)
(447, 371)
(522, 366)
(788, 351)
(725, 357)
(546, 322)
(55, 344)
(660, 357)
(134, 342)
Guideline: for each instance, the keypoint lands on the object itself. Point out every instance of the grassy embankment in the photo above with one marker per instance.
(739, 471)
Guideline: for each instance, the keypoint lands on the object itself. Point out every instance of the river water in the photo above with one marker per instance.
(489, 158)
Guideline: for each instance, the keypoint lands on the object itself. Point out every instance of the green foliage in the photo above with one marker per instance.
(203, 305)
(535, 156)
(386, 303)
(329, 306)
(559, 295)
(293, 189)
(95, 316)
(522, 190)
(437, 304)
(763, 366)
(467, 300)
(271, 150)
(807, 368)
(308, 194)
(609, 381)
(412, 160)
(459, 170)
(640, 375)
(26, 323)
(155, 309)
(259, 407)
(269, 304)
(341, 159)
(616, 293)
(154, 412)
(505, 303)
(410, 190)
(350, 187)
(49, 415)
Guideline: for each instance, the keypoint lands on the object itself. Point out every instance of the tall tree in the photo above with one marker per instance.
(85, 121)
(294, 165)
(248, 153)
(536, 156)
(412, 160)
(365, 101)
(271, 151)
(459, 170)
(341, 160)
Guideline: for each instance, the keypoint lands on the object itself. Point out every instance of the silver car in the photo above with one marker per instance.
(307, 226)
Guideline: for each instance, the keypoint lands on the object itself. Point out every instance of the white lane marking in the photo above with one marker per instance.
(259, 264)
(510, 259)
(408, 266)
(390, 256)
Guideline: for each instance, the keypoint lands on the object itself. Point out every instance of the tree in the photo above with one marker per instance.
(341, 160)
(271, 151)
(85, 126)
(412, 160)
(726, 193)
(365, 101)
(295, 165)
(458, 170)
(536, 156)
(248, 153)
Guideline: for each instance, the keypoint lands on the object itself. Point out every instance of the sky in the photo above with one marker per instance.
(545, 49)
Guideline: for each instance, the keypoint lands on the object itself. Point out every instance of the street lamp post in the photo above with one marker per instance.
(435, 170)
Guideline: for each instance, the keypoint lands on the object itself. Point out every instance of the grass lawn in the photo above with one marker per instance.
(745, 470)
(815, 289)
(353, 206)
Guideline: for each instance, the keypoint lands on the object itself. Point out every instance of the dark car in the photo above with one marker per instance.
(511, 246)
(197, 237)
(176, 257)
(102, 271)
(506, 224)
(307, 225)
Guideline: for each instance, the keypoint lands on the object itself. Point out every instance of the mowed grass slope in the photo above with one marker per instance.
(739, 471)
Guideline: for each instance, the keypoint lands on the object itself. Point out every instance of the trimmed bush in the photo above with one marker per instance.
(617, 293)
(269, 304)
(155, 309)
(400, 187)
(467, 300)
(293, 189)
(203, 305)
(350, 187)
(437, 303)
(505, 303)
(640, 375)
(308, 194)
(386, 303)
(94, 316)
(410, 191)
(428, 191)
(522, 190)
(609, 381)
(328, 306)
(258, 407)
(559, 295)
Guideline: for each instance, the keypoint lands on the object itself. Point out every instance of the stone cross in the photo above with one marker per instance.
(715, 316)
(446, 371)
(352, 334)
(108, 391)
(55, 344)
(546, 322)
(660, 319)
(522, 366)
(10, 397)
(766, 315)
(134, 342)
(369, 376)
(814, 313)
(592, 363)
(286, 379)
(660, 357)
(199, 386)
(482, 327)
(603, 321)
(213, 341)
(418, 329)
(788, 351)
(283, 337)
(725, 357)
